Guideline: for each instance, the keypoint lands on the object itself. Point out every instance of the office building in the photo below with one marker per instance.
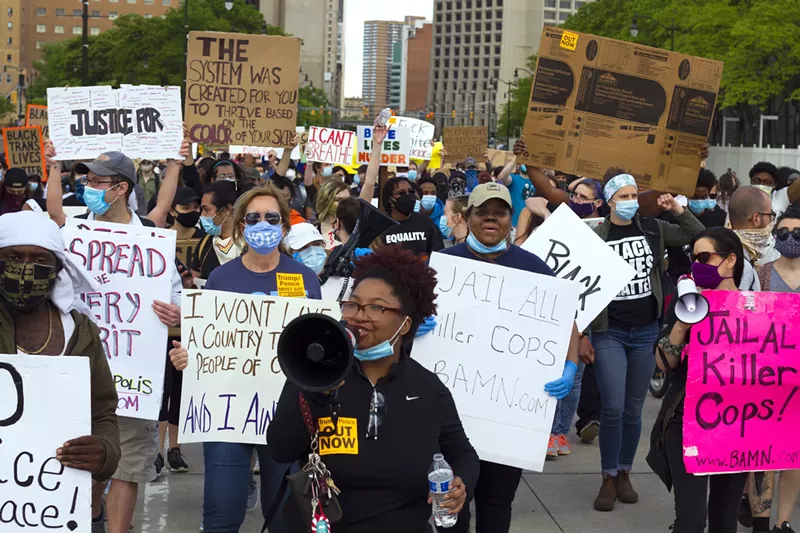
(411, 68)
(11, 45)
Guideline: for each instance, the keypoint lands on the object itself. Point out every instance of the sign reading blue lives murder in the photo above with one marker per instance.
(233, 382)
(501, 335)
(44, 402)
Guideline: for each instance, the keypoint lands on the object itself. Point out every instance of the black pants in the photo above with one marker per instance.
(697, 497)
(589, 402)
(171, 400)
(494, 493)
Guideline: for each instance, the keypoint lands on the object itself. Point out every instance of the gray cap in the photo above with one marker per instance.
(110, 164)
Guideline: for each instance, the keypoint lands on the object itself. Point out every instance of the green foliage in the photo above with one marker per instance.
(314, 107)
(7, 108)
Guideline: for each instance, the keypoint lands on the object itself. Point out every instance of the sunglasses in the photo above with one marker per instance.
(270, 217)
(377, 413)
(704, 257)
(783, 233)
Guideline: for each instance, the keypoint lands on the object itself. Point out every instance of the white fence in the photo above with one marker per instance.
(741, 159)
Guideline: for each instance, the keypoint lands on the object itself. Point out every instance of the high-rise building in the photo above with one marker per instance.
(11, 45)
(396, 76)
(411, 68)
(379, 39)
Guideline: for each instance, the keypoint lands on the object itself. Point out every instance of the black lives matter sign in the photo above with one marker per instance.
(24, 149)
(242, 89)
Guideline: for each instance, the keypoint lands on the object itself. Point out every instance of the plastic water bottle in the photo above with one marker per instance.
(440, 477)
(383, 118)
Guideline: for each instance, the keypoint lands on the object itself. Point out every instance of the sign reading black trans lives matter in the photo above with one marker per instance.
(138, 120)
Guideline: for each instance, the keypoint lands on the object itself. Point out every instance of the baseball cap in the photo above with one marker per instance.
(470, 162)
(110, 164)
(252, 173)
(15, 177)
(302, 235)
(486, 191)
(185, 196)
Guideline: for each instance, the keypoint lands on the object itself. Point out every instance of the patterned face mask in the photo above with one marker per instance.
(25, 285)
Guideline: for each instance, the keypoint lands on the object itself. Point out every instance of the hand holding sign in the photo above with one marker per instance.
(84, 453)
(179, 356)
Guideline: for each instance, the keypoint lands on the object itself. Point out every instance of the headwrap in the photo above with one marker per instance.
(616, 183)
(28, 228)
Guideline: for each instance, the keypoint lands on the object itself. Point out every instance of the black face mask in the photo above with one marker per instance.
(25, 285)
(405, 204)
(188, 220)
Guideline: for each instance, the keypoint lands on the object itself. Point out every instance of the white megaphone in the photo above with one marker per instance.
(692, 307)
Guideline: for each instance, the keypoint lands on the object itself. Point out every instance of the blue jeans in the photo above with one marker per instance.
(227, 470)
(624, 363)
(565, 409)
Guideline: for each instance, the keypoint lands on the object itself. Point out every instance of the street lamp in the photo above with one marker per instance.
(672, 28)
(516, 72)
(509, 84)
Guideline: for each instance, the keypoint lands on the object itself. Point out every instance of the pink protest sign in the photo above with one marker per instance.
(742, 396)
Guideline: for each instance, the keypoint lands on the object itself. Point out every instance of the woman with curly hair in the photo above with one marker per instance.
(400, 413)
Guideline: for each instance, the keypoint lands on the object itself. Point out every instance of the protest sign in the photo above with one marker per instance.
(501, 158)
(396, 147)
(462, 142)
(44, 402)
(327, 145)
(36, 115)
(74, 210)
(576, 253)
(232, 384)
(242, 89)
(263, 151)
(132, 269)
(138, 120)
(502, 334)
(421, 134)
(24, 148)
(184, 250)
(742, 388)
(598, 103)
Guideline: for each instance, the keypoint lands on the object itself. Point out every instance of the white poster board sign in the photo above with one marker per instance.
(138, 120)
(44, 402)
(421, 133)
(233, 382)
(132, 271)
(396, 147)
(238, 149)
(74, 210)
(575, 252)
(501, 335)
(327, 145)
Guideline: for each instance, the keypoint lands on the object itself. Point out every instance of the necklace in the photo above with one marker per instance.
(47, 340)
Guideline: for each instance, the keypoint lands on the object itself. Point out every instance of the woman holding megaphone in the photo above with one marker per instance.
(718, 264)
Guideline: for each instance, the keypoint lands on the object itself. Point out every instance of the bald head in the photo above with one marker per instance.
(744, 208)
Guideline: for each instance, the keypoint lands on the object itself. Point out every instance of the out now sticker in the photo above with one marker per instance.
(345, 441)
(569, 41)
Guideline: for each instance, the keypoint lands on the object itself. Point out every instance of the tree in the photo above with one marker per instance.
(314, 107)
(520, 94)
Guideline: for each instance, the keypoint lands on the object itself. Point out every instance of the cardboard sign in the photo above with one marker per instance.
(132, 270)
(184, 250)
(742, 390)
(263, 151)
(598, 103)
(396, 147)
(576, 253)
(500, 158)
(327, 145)
(421, 133)
(242, 89)
(36, 115)
(138, 120)
(502, 334)
(24, 148)
(44, 402)
(462, 142)
(233, 382)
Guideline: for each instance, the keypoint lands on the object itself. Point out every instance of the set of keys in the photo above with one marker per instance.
(323, 492)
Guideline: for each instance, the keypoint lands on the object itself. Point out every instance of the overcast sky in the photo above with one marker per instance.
(356, 12)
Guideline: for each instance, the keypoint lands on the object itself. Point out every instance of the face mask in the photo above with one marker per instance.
(80, 187)
(764, 188)
(263, 237)
(146, 168)
(790, 248)
(25, 285)
(405, 205)
(188, 220)
(313, 257)
(523, 169)
(417, 206)
(412, 175)
(472, 179)
(290, 174)
(379, 351)
(481, 248)
(582, 210)
(96, 200)
(446, 230)
(356, 180)
(327, 171)
(209, 226)
(698, 206)
(754, 241)
(626, 209)
(706, 276)
(33, 186)
(428, 201)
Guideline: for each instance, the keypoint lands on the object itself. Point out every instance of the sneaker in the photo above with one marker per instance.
(256, 468)
(552, 447)
(252, 493)
(159, 465)
(99, 523)
(589, 432)
(563, 445)
(786, 527)
(201, 525)
(176, 462)
(607, 495)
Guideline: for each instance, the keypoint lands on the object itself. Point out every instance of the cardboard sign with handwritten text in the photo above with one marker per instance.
(462, 142)
(36, 115)
(24, 149)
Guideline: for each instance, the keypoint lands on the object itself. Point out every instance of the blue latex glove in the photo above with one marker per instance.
(560, 388)
(361, 252)
(427, 325)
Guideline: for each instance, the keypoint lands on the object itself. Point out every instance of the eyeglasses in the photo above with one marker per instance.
(228, 177)
(377, 413)
(783, 233)
(371, 311)
(270, 217)
(401, 193)
(96, 182)
(581, 199)
(704, 257)
(771, 215)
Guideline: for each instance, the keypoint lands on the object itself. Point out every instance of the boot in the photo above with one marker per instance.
(607, 495)
(625, 491)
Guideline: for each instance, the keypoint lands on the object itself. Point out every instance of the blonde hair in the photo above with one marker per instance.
(326, 198)
(458, 204)
(240, 210)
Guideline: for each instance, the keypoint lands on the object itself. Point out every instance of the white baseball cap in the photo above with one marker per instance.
(302, 235)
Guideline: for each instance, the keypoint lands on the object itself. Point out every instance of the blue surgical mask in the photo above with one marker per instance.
(481, 248)
(626, 209)
(357, 180)
(412, 175)
(313, 257)
(380, 350)
(698, 206)
(263, 238)
(327, 171)
(417, 206)
(523, 169)
(33, 186)
(95, 200)
(428, 201)
(209, 226)
(446, 230)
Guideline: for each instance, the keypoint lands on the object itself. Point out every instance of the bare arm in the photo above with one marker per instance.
(286, 158)
(308, 175)
(671, 346)
(55, 202)
(505, 175)
(554, 195)
(574, 341)
(374, 166)
(166, 193)
(422, 167)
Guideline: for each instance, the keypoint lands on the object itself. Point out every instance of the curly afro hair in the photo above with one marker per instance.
(410, 277)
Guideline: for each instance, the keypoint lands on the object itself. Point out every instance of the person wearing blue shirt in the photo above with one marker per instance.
(519, 186)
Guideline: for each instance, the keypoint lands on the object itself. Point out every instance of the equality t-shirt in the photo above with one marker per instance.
(290, 279)
(417, 234)
(635, 305)
(520, 189)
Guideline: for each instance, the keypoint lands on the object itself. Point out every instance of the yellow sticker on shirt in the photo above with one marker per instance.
(291, 285)
(344, 442)
(569, 41)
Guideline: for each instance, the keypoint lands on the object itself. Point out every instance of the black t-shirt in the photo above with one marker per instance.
(635, 305)
(417, 234)
(679, 257)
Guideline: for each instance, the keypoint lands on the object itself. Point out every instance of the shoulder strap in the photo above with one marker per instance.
(209, 245)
